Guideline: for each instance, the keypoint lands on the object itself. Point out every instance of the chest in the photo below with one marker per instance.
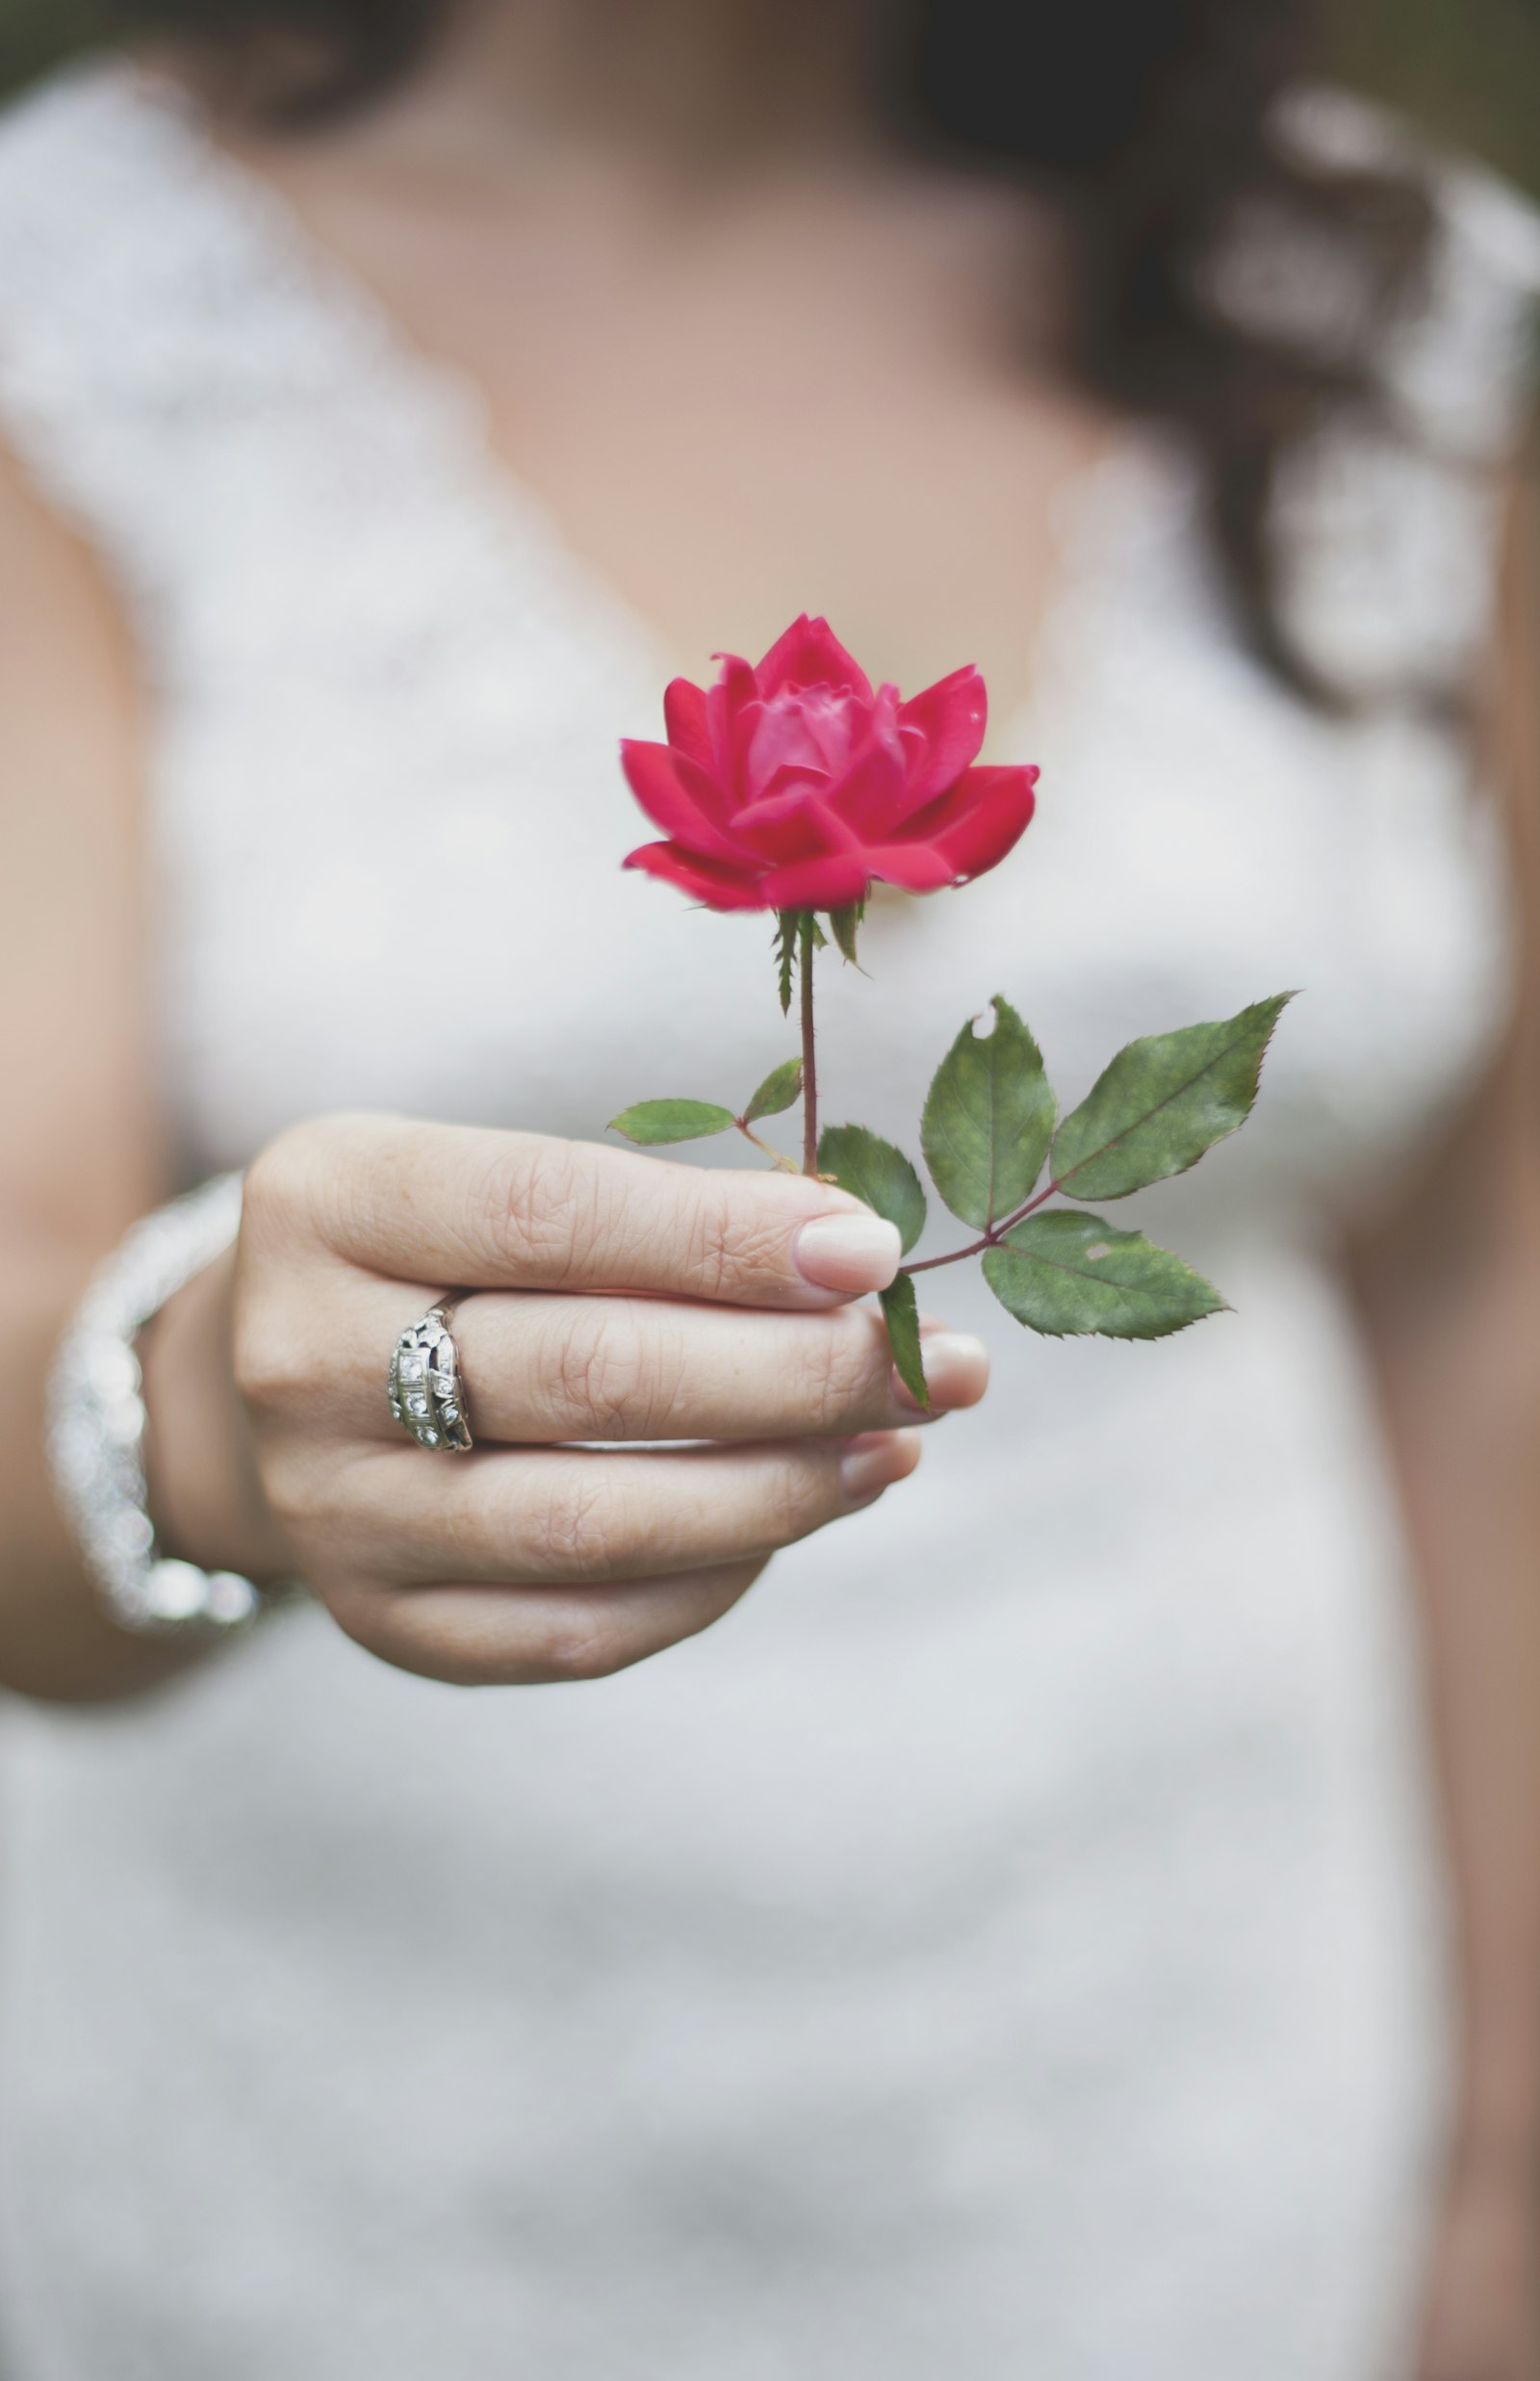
(808, 393)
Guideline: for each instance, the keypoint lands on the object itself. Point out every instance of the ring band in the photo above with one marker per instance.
(426, 1388)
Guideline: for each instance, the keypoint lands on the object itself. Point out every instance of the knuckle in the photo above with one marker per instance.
(798, 1497)
(283, 1179)
(841, 1370)
(601, 1383)
(263, 1359)
(574, 1530)
(540, 1205)
(730, 1246)
(288, 1490)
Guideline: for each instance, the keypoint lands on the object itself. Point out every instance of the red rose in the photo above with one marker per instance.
(794, 785)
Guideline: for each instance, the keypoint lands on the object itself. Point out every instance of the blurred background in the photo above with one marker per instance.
(1467, 70)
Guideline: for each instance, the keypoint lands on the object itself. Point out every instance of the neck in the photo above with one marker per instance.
(697, 83)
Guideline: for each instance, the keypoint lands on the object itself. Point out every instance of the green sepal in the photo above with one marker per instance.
(871, 1169)
(989, 1120)
(1065, 1272)
(844, 924)
(654, 1121)
(781, 1090)
(791, 927)
(785, 948)
(901, 1314)
(1162, 1103)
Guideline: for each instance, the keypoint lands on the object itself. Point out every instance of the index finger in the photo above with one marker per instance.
(461, 1206)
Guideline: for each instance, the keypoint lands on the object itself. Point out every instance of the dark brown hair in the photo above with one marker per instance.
(1151, 119)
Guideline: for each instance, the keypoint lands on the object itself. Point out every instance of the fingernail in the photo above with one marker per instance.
(957, 1368)
(852, 1251)
(875, 1461)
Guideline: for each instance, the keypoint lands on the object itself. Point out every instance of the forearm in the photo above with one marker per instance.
(1461, 1380)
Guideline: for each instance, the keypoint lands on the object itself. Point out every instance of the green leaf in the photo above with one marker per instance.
(873, 1170)
(654, 1121)
(780, 1089)
(901, 1314)
(989, 1120)
(1064, 1272)
(844, 926)
(1162, 1103)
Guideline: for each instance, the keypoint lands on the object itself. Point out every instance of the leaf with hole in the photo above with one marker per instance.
(781, 1090)
(1162, 1103)
(1065, 1272)
(901, 1314)
(989, 1120)
(871, 1169)
(653, 1123)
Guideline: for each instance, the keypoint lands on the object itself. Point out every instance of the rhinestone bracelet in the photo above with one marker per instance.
(96, 1421)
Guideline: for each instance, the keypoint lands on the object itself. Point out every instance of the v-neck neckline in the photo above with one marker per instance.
(450, 399)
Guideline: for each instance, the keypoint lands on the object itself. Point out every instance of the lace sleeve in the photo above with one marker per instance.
(1389, 527)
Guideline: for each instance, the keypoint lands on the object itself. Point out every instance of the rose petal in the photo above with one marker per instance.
(811, 655)
(826, 884)
(951, 717)
(790, 780)
(685, 721)
(990, 814)
(870, 798)
(915, 868)
(719, 887)
(794, 825)
(676, 797)
(732, 709)
(782, 739)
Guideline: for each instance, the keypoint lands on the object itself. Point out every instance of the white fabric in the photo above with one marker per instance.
(1007, 1945)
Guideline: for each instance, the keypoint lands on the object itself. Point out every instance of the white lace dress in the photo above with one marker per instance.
(1005, 1946)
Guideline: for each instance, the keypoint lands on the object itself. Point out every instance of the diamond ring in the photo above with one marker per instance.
(427, 1394)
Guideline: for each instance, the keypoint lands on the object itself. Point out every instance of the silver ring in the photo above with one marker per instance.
(425, 1388)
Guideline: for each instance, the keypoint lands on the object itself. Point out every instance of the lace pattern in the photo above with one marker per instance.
(1015, 1895)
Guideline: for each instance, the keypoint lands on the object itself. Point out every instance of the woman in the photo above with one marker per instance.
(1009, 1943)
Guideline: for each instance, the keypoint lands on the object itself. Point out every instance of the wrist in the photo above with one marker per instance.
(204, 1490)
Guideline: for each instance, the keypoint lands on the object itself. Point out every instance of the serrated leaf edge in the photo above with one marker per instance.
(752, 1111)
(1006, 1248)
(1063, 1183)
(915, 1171)
(996, 1001)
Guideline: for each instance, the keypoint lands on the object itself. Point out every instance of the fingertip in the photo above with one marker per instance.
(849, 1252)
(957, 1370)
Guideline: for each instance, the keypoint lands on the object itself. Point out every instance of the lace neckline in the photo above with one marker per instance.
(448, 415)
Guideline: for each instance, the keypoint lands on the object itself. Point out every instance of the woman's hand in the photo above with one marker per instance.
(1481, 2310)
(624, 1299)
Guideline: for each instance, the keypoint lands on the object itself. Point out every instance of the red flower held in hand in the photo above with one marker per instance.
(792, 786)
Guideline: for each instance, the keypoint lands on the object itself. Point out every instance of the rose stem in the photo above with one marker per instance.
(809, 1057)
(992, 1239)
